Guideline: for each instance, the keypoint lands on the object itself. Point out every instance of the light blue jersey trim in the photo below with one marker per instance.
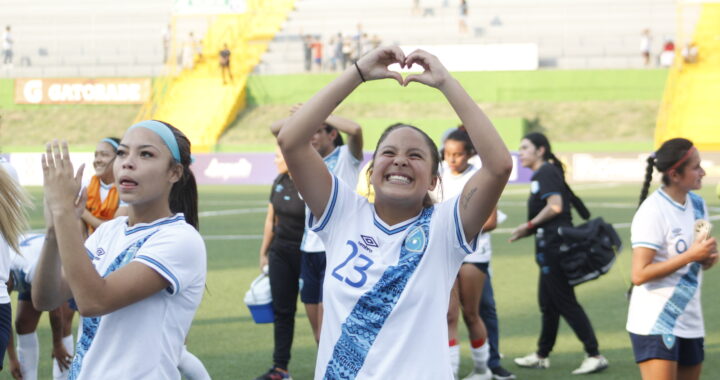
(468, 248)
(329, 211)
(670, 200)
(176, 283)
(391, 231)
(153, 225)
(26, 242)
(90, 325)
(549, 194)
(646, 244)
(373, 308)
(90, 254)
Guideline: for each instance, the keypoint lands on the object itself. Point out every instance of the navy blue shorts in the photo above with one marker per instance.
(5, 329)
(482, 266)
(312, 272)
(684, 351)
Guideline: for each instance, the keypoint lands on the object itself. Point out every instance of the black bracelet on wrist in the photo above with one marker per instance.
(359, 72)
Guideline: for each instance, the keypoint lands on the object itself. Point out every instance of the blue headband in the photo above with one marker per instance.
(111, 142)
(165, 134)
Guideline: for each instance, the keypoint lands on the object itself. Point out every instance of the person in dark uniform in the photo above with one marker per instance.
(549, 209)
(225, 63)
(280, 251)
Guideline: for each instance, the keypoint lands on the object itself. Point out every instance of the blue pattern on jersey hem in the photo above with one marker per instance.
(90, 324)
(373, 308)
(27, 241)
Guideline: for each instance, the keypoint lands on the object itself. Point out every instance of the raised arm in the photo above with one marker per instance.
(481, 193)
(307, 167)
(94, 294)
(353, 132)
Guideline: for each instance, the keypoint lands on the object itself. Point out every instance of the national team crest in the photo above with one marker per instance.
(416, 240)
(669, 340)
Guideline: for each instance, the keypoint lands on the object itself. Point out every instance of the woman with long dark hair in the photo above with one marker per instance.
(137, 279)
(671, 246)
(548, 210)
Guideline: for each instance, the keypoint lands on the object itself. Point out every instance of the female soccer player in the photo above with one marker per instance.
(468, 288)
(549, 209)
(27, 317)
(138, 278)
(103, 202)
(280, 251)
(13, 222)
(665, 317)
(391, 264)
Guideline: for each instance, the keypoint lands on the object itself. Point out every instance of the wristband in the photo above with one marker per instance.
(359, 72)
(530, 225)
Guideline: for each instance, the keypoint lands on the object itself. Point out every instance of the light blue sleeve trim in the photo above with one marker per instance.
(646, 245)
(328, 210)
(167, 274)
(90, 254)
(460, 233)
(549, 194)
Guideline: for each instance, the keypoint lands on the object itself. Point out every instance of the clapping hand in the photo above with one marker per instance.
(60, 184)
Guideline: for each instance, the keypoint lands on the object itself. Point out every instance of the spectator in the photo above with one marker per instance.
(690, 53)
(187, 56)
(462, 23)
(645, 42)
(307, 51)
(7, 46)
(337, 51)
(359, 39)
(346, 51)
(668, 54)
(225, 63)
(317, 53)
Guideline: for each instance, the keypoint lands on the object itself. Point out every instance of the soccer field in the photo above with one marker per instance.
(231, 346)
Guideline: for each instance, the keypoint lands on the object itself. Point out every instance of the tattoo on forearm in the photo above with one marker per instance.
(465, 200)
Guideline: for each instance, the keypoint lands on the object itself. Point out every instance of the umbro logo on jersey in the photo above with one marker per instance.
(367, 241)
(99, 252)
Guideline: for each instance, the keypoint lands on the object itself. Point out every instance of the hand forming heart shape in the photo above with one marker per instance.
(374, 65)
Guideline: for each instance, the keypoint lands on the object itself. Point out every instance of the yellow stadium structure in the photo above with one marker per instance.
(195, 99)
(691, 103)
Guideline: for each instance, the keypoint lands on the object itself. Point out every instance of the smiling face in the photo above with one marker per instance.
(402, 169)
(530, 156)
(456, 156)
(144, 169)
(691, 176)
(103, 162)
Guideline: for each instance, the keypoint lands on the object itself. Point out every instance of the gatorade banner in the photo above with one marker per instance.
(82, 91)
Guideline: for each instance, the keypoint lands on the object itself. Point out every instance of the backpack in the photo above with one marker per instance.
(588, 251)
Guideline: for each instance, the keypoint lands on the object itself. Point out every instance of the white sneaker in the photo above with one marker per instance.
(533, 361)
(591, 364)
(478, 375)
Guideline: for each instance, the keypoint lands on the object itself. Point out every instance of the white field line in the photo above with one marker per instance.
(526, 189)
(240, 211)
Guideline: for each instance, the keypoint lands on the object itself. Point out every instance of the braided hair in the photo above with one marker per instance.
(665, 158)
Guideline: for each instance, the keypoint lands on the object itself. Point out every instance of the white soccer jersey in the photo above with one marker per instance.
(346, 167)
(24, 264)
(143, 340)
(386, 290)
(669, 305)
(452, 186)
(4, 247)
